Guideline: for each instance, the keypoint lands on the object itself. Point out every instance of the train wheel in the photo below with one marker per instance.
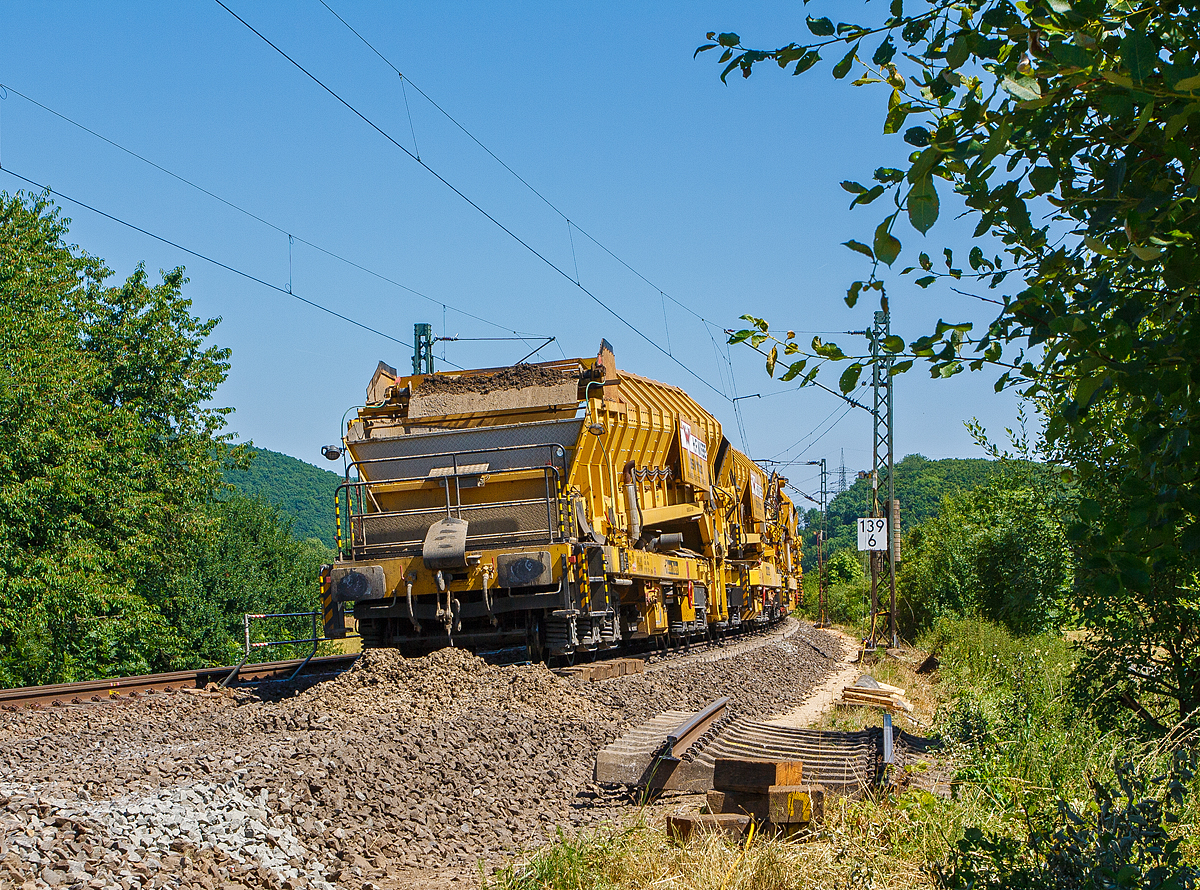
(535, 637)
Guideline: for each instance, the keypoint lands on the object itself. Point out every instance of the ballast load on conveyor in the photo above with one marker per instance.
(845, 763)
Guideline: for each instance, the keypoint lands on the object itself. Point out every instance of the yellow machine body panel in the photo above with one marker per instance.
(565, 506)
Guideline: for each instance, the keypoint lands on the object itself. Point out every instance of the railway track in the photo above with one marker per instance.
(431, 726)
(115, 688)
(678, 750)
(722, 647)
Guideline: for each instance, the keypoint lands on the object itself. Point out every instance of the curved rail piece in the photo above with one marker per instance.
(116, 687)
(689, 732)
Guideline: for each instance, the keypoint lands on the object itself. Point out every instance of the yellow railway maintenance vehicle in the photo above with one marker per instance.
(564, 506)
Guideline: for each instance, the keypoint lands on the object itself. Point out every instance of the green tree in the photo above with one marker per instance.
(844, 567)
(1070, 130)
(250, 562)
(114, 545)
(999, 550)
(108, 452)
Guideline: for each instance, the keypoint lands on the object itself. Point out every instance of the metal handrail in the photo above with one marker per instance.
(354, 496)
(561, 453)
(516, 502)
(359, 486)
(250, 647)
(366, 549)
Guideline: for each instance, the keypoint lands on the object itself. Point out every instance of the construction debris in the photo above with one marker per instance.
(756, 806)
(765, 792)
(843, 763)
(869, 692)
(733, 825)
(755, 776)
(787, 804)
(604, 670)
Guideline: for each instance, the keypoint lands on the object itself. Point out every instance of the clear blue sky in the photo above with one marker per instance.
(726, 197)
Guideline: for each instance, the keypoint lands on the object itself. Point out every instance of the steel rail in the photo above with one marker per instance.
(685, 735)
(113, 688)
(117, 688)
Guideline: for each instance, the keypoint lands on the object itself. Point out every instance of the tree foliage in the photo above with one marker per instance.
(921, 484)
(1125, 836)
(251, 562)
(999, 551)
(111, 466)
(1070, 130)
(844, 567)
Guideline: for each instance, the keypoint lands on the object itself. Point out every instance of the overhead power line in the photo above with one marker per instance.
(265, 222)
(529, 247)
(811, 432)
(205, 257)
(570, 222)
(829, 429)
(845, 409)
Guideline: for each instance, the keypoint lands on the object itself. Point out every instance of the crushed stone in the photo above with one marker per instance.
(437, 762)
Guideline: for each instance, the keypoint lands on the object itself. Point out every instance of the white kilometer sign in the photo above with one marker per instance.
(872, 534)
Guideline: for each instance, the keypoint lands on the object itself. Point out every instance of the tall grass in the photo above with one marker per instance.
(642, 857)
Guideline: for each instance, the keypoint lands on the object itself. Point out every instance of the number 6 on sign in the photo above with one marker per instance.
(872, 533)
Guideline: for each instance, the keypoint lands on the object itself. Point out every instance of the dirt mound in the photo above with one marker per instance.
(444, 683)
(516, 377)
(520, 387)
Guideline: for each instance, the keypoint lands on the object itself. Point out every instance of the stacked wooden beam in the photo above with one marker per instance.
(770, 793)
(604, 670)
(877, 695)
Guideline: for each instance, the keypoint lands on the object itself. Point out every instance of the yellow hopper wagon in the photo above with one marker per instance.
(563, 507)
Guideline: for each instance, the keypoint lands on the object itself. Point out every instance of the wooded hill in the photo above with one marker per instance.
(297, 488)
(920, 486)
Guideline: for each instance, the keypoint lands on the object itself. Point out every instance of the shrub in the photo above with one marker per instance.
(1119, 839)
(844, 567)
(999, 551)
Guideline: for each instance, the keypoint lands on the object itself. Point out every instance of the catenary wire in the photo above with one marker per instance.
(773, 457)
(813, 431)
(406, 79)
(252, 215)
(201, 256)
(570, 222)
(529, 247)
(829, 429)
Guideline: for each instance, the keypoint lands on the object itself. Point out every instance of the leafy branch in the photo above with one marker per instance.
(1087, 114)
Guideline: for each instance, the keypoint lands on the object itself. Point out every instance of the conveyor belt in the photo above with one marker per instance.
(845, 763)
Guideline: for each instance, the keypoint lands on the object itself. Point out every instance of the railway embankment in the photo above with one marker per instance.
(396, 767)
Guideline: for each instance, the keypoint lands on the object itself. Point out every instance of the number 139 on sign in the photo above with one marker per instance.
(872, 534)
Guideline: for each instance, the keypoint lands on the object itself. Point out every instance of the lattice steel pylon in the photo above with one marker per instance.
(822, 582)
(822, 600)
(422, 348)
(883, 465)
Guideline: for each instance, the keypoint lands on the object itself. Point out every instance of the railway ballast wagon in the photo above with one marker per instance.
(563, 506)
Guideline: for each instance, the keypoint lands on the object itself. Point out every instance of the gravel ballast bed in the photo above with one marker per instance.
(395, 764)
